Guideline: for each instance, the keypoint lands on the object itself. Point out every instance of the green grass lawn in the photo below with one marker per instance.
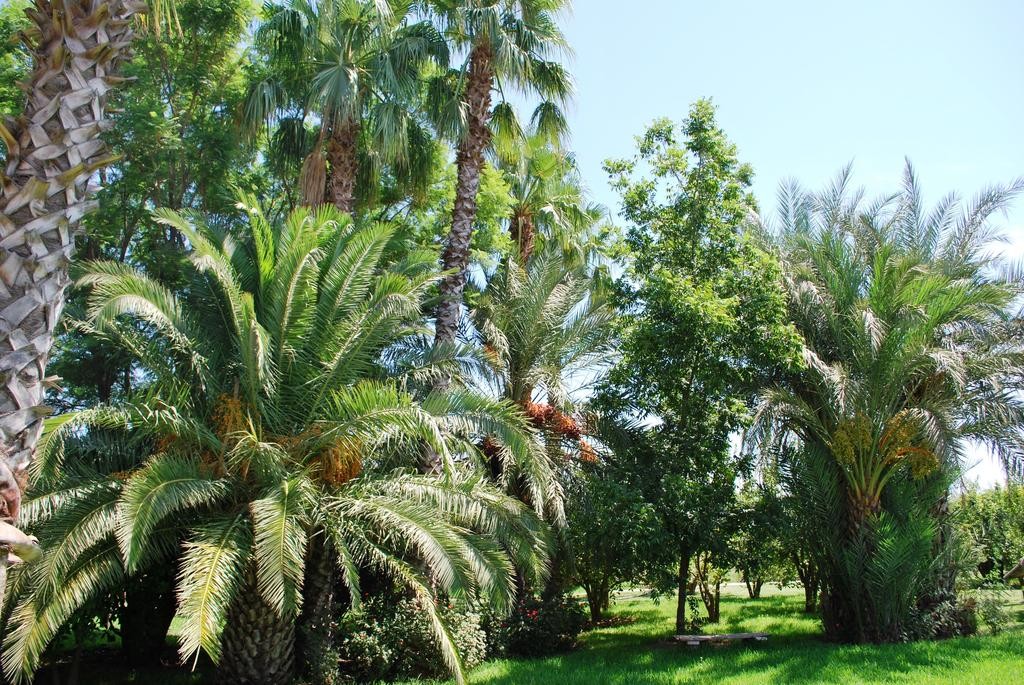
(637, 653)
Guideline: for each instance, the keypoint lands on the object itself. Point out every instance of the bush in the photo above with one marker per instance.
(392, 639)
(538, 627)
(944, 618)
(992, 611)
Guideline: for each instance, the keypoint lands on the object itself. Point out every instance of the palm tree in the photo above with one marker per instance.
(357, 65)
(506, 43)
(52, 151)
(910, 351)
(548, 200)
(546, 330)
(274, 432)
(543, 327)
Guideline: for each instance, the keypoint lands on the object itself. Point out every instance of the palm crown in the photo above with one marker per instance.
(906, 356)
(548, 201)
(506, 42)
(268, 421)
(900, 313)
(357, 65)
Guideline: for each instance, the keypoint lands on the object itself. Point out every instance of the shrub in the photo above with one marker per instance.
(946, 617)
(392, 639)
(538, 627)
(992, 611)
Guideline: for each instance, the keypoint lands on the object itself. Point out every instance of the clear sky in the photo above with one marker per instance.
(805, 86)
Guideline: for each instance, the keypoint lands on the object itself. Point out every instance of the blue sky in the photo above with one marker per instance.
(803, 87)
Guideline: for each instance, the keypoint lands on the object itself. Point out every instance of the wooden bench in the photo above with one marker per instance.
(698, 640)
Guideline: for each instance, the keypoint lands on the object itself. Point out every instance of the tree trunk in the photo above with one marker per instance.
(682, 578)
(470, 160)
(712, 597)
(594, 603)
(716, 614)
(809, 579)
(318, 623)
(146, 617)
(53, 149)
(524, 235)
(258, 646)
(342, 153)
(810, 598)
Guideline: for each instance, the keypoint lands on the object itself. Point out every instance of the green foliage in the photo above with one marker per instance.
(265, 419)
(390, 638)
(178, 148)
(992, 601)
(523, 42)
(346, 61)
(539, 627)
(550, 205)
(758, 548)
(909, 351)
(541, 325)
(14, 60)
(704, 323)
(993, 520)
(612, 532)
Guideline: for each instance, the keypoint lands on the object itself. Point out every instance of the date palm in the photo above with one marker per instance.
(357, 66)
(506, 43)
(274, 430)
(911, 349)
(544, 328)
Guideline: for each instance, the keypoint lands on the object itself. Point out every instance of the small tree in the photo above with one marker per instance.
(612, 532)
(993, 520)
(704, 320)
(757, 545)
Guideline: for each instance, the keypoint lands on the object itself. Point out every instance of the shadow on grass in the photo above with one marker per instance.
(796, 653)
(105, 665)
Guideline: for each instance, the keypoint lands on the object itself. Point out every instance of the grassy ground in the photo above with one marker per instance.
(637, 653)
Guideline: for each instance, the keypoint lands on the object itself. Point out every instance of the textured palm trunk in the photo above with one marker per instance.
(342, 153)
(258, 646)
(470, 162)
(318, 623)
(523, 234)
(53, 150)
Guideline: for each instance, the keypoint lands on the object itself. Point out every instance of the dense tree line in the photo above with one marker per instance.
(339, 326)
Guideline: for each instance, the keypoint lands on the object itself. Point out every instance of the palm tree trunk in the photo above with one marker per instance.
(342, 153)
(317, 625)
(523, 234)
(53, 150)
(470, 162)
(258, 645)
